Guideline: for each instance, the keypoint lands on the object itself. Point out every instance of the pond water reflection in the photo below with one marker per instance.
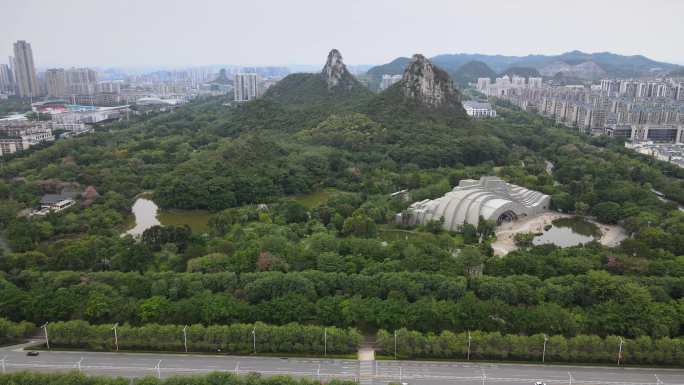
(147, 214)
(567, 232)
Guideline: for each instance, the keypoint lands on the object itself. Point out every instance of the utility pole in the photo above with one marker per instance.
(395, 345)
(254, 338)
(185, 338)
(47, 340)
(619, 358)
(469, 339)
(569, 378)
(116, 336)
(325, 342)
(546, 339)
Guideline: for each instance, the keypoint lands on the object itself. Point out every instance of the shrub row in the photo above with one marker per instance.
(496, 346)
(235, 338)
(14, 331)
(32, 378)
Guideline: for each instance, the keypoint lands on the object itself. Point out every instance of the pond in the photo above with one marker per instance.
(147, 214)
(567, 232)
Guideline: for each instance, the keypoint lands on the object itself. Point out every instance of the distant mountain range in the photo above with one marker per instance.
(465, 68)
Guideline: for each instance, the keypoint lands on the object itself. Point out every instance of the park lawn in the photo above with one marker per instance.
(389, 234)
(315, 199)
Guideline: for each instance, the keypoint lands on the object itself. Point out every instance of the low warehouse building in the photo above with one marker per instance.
(490, 198)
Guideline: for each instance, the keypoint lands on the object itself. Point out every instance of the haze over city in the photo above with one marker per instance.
(203, 32)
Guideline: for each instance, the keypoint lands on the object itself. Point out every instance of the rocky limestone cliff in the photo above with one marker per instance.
(334, 86)
(429, 85)
(336, 73)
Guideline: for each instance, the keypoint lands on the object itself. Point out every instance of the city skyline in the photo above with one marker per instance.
(171, 34)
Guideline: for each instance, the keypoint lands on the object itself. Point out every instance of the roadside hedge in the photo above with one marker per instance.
(75, 378)
(235, 338)
(496, 346)
(14, 331)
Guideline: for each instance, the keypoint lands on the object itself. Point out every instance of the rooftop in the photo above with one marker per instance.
(477, 105)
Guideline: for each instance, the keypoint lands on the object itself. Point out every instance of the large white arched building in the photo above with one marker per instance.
(490, 198)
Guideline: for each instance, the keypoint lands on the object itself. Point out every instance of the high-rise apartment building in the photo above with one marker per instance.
(109, 87)
(245, 86)
(534, 82)
(6, 78)
(81, 81)
(389, 80)
(55, 78)
(25, 70)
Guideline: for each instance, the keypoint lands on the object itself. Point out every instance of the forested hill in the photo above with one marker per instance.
(334, 86)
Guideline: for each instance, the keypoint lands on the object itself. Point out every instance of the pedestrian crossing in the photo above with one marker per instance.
(366, 372)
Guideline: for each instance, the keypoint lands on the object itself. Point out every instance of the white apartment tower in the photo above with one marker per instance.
(6, 78)
(388, 80)
(25, 70)
(245, 86)
(81, 81)
(534, 82)
(56, 82)
(518, 81)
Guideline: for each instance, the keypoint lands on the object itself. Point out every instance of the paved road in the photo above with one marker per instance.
(366, 372)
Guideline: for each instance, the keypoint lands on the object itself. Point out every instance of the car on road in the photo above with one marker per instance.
(539, 383)
(32, 353)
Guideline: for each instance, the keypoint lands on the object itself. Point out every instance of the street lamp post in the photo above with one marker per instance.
(185, 338)
(116, 336)
(619, 358)
(546, 339)
(325, 342)
(469, 339)
(47, 340)
(395, 344)
(3, 364)
(254, 338)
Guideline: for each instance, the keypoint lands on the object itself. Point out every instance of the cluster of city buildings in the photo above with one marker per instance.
(81, 86)
(668, 152)
(649, 113)
(88, 87)
(506, 85)
(69, 101)
(19, 135)
(635, 109)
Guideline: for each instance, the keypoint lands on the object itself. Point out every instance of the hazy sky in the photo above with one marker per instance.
(281, 32)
